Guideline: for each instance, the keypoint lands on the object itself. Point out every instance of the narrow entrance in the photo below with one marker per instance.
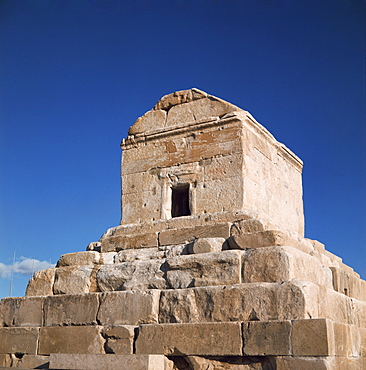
(180, 201)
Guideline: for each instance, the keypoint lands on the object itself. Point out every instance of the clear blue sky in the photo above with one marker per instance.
(74, 75)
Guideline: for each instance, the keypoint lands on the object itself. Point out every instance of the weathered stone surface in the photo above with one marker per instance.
(206, 245)
(129, 255)
(75, 280)
(25, 311)
(41, 283)
(312, 338)
(79, 258)
(25, 361)
(179, 97)
(242, 302)
(189, 234)
(19, 340)
(275, 264)
(201, 110)
(94, 246)
(107, 362)
(247, 226)
(120, 242)
(129, 308)
(267, 338)
(134, 275)
(71, 339)
(228, 363)
(216, 339)
(119, 339)
(108, 258)
(303, 363)
(259, 239)
(347, 282)
(204, 269)
(151, 120)
(78, 309)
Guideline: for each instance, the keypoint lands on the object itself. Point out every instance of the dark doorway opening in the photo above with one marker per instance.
(180, 201)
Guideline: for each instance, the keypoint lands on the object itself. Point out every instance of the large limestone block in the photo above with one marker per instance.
(312, 337)
(210, 339)
(121, 242)
(206, 109)
(151, 120)
(206, 245)
(229, 363)
(108, 362)
(129, 255)
(129, 308)
(75, 280)
(19, 340)
(41, 283)
(247, 226)
(71, 339)
(25, 311)
(204, 269)
(340, 308)
(79, 309)
(242, 302)
(267, 338)
(189, 234)
(258, 239)
(347, 282)
(79, 258)
(275, 264)
(119, 339)
(179, 97)
(134, 275)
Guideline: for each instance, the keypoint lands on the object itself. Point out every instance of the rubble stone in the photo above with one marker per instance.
(119, 339)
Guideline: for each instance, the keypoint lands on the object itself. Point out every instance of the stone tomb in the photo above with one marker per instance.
(209, 268)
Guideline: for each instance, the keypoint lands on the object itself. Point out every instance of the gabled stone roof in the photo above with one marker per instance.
(182, 107)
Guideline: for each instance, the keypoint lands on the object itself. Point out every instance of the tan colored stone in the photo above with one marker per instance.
(119, 339)
(70, 339)
(30, 361)
(179, 97)
(347, 282)
(312, 337)
(107, 362)
(129, 255)
(228, 363)
(259, 239)
(204, 269)
(151, 120)
(5, 360)
(19, 340)
(94, 246)
(117, 243)
(267, 338)
(26, 311)
(78, 309)
(74, 280)
(41, 283)
(207, 245)
(215, 339)
(199, 111)
(242, 302)
(129, 308)
(79, 258)
(188, 234)
(136, 275)
(303, 363)
(107, 258)
(247, 226)
(275, 264)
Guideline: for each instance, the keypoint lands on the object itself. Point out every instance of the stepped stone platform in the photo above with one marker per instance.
(209, 268)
